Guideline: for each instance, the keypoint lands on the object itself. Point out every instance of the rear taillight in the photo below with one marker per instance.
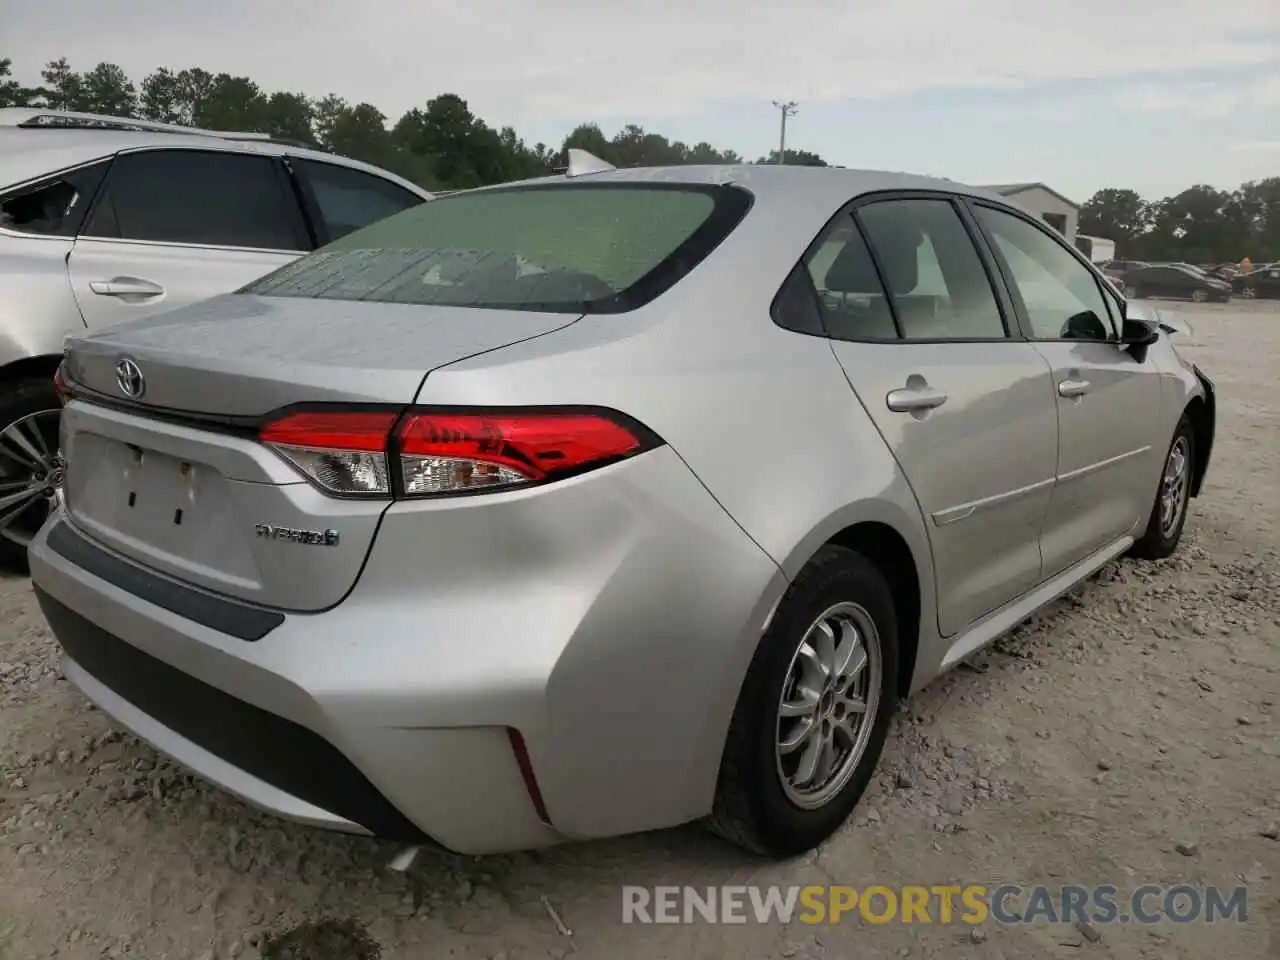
(343, 452)
(60, 385)
(353, 452)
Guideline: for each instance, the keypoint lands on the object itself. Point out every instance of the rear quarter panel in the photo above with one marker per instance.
(762, 416)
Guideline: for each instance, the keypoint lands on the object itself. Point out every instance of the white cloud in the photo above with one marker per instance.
(1204, 100)
(528, 60)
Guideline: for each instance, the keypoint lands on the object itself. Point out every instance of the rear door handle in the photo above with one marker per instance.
(126, 288)
(913, 399)
(1073, 388)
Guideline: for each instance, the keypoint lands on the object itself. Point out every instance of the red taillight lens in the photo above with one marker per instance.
(457, 452)
(346, 452)
(342, 451)
(60, 385)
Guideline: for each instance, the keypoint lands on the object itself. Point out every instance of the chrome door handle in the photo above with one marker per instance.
(1073, 388)
(126, 287)
(912, 399)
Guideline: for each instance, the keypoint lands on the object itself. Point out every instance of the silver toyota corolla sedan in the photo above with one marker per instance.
(604, 502)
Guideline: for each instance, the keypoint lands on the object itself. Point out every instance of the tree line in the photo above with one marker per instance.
(1202, 224)
(442, 145)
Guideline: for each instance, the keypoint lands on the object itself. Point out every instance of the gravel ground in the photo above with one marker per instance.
(1126, 736)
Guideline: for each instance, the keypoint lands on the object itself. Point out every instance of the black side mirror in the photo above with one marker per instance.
(1139, 333)
(1085, 326)
(1138, 336)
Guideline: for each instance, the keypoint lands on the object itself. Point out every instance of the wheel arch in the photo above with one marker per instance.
(888, 550)
(40, 365)
(1202, 411)
(896, 542)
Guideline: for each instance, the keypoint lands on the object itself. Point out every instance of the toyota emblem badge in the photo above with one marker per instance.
(129, 379)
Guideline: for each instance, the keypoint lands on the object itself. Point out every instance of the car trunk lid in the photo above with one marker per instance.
(175, 478)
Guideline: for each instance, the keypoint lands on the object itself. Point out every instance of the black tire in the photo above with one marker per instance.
(1157, 541)
(751, 808)
(19, 399)
(1134, 292)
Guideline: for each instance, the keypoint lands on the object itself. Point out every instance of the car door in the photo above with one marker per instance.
(343, 199)
(1174, 283)
(965, 404)
(171, 227)
(1108, 402)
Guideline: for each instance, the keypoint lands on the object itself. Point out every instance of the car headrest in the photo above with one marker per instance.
(853, 272)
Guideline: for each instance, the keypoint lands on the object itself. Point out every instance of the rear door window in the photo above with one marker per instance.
(936, 282)
(204, 197)
(350, 199)
(568, 248)
(55, 207)
(850, 295)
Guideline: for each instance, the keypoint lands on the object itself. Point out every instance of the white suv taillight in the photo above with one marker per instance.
(425, 452)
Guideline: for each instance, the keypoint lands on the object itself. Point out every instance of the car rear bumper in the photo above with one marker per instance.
(616, 653)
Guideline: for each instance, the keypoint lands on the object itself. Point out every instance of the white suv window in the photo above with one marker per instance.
(350, 199)
(54, 207)
(205, 197)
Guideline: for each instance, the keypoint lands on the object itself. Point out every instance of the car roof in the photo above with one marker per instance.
(831, 185)
(31, 152)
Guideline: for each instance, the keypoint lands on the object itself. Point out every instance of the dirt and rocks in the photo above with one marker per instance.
(1128, 735)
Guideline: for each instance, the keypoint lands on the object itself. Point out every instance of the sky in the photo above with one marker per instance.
(1155, 95)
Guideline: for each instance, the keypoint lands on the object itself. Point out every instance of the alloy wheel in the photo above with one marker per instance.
(31, 473)
(1174, 486)
(828, 705)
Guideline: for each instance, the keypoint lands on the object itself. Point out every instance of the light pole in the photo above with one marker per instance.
(787, 109)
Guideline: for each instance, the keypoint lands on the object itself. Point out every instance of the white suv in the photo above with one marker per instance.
(104, 220)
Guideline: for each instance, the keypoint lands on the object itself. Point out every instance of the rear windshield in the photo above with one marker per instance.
(570, 248)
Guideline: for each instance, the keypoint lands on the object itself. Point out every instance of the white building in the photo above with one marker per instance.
(1055, 209)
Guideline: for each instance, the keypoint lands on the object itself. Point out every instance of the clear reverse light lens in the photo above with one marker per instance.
(427, 475)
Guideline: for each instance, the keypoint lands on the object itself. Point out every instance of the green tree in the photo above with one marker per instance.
(231, 103)
(1116, 214)
(1189, 227)
(797, 158)
(12, 93)
(161, 98)
(289, 116)
(106, 89)
(62, 89)
(443, 145)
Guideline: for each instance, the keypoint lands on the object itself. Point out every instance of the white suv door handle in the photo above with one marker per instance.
(1073, 388)
(912, 399)
(126, 287)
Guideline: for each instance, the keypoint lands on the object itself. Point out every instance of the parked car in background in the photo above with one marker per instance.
(1114, 277)
(104, 220)
(1263, 283)
(529, 551)
(1121, 268)
(1175, 281)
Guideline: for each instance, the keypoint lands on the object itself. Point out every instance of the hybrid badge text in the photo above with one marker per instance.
(321, 538)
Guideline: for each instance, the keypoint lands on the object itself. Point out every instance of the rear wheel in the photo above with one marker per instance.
(1199, 296)
(1169, 513)
(30, 464)
(1248, 293)
(813, 712)
(1134, 292)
